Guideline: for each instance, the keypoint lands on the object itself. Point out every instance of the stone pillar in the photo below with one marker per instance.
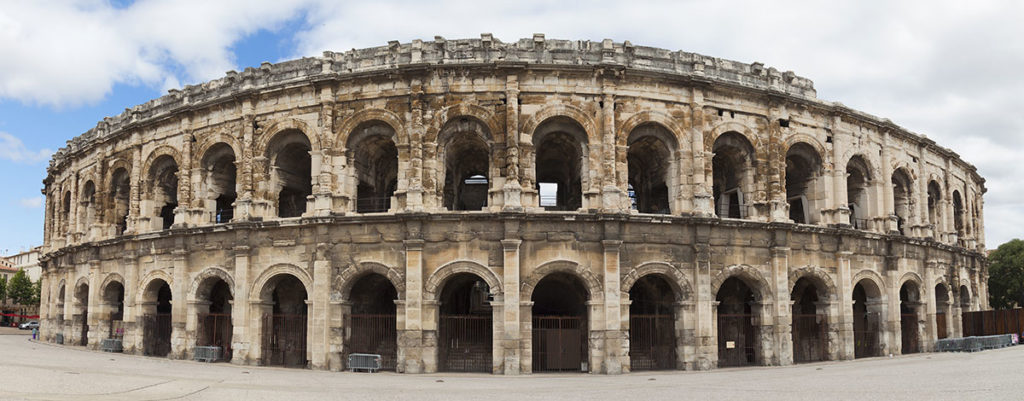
(931, 307)
(526, 336)
(93, 314)
(410, 339)
(616, 345)
(319, 329)
(512, 335)
(686, 339)
(893, 317)
(243, 336)
(179, 307)
(513, 187)
(611, 194)
(132, 329)
(319, 202)
(844, 315)
(135, 192)
(885, 181)
(783, 328)
(703, 192)
(244, 168)
(706, 311)
(414, 172)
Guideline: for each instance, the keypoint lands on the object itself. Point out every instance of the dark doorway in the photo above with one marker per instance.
(909, 328)
(737, 345)
(374, 319)
(941, 306)
(156, 326)
(866, 319)
(809, 324)
(652, 325)
(465, 326)
(284, 327)
(82, 297)
(113, 298)
(560, 324)
(215, 327)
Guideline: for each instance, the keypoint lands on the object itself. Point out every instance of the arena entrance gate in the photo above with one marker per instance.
(867, 318)
(736, 336)
(465, 326)
(156, 323)
(82, 298)
(652, 334)
(373, 319)
(284, 325)
(215, 327)
(809, 323)
(560, 325)
(909, 329)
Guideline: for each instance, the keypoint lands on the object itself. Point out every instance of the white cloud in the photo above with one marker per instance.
(13, 149)
(65, 53)
(31, 203)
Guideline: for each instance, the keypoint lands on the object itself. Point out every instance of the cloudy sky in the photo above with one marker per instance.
(951, 70)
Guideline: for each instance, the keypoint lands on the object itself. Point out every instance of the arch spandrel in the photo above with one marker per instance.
(387, 117)
(451, 113)
(750, 275)
(747, 132)
(872, 277)
(675, 277)
(111, 278)
(818, 276)
(274, 127)
(259, 290)
(439, 278)
(206, 274)
(573, 113)
(209, 141)
(344, 282)
(590, 281)
(148, 279)
(156, 154)
(665, 121)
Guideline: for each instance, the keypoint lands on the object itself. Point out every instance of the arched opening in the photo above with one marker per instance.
(284, 322)
(941, 311)
(81, 315)
(867, 319)
(162, 192)
(560, 324)
(218, 181)
(156, 319)
(858, 182)
(373, 319)
(88, 202)
(65, 213)
(737, 337)
(650, 162)
(113, 302)
(910, 302)
(732, 171)
(560, 145)
(965, 298)
(958, 214)
(465, 325)
(375, 157)
(902, 199)
(291, 172)
(466, 164)
(935, 207)
(214, 315)
(810, 316)
(120, 195)
(803, 168)
(60, 310)
(652, 324)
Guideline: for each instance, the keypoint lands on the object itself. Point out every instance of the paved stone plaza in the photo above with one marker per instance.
(39, 371)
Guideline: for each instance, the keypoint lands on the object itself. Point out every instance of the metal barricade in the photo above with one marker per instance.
(368, 362)
(207, 353)
(112, 345)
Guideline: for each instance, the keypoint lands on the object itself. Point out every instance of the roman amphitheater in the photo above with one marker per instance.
(522, 207)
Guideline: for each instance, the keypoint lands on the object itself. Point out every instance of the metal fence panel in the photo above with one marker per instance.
(652, 342)
(559, 344)
(375, 334)
(465, 343)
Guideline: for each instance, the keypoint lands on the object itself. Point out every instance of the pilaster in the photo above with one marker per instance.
(512, 335)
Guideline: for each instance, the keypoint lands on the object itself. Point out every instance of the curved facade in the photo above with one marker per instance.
(540, 205)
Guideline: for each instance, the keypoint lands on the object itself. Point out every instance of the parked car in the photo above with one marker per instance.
(29, 325)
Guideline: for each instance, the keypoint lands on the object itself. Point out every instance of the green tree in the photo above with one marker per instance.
(20, 288)
(1006, 275)
(3, 290)
(37, 291)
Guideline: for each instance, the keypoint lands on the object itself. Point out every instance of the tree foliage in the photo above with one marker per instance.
(3, 290)
(20, 290)
(1006, 275)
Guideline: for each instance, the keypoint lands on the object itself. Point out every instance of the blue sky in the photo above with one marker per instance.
(946, 69)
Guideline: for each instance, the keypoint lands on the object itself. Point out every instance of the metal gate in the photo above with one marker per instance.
(375, 334)
(284, 340)
(215, 330)
(940, 326)
(809, 338)
(116, 329)
(559, 344)
(652, 342)
(865, 335)
(909, 329)
(465, 343)
(156, 334)
(84, 340)
(735, 340)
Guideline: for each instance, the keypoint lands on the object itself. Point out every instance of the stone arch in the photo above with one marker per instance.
(210, 272)
(751, 276)
(562, 110)
(462, 109)
(212, 140)
(346, 280)
(387, 117)
(157, 274)
(651, 117)
(156, 154)
(674, 277)
(811, 141)
(111, 278)
(873, 277)
(113, 165)
(731, 126)
(819, 276)
(260, 291)
(590, 281)
(446, 271)
(916, 279)
(277, 126)
(82, 281)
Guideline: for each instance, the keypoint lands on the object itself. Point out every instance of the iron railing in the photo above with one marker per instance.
(652, 342)
(735, 340)
(809, 338)
(284, 340)
(465, 343)
(215, 331)
(375, 334)
(559, 344)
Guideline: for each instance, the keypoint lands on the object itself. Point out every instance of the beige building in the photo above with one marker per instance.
(539, 205)
(27, 261)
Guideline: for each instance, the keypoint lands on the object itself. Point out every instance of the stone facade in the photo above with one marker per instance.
(594, 183)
